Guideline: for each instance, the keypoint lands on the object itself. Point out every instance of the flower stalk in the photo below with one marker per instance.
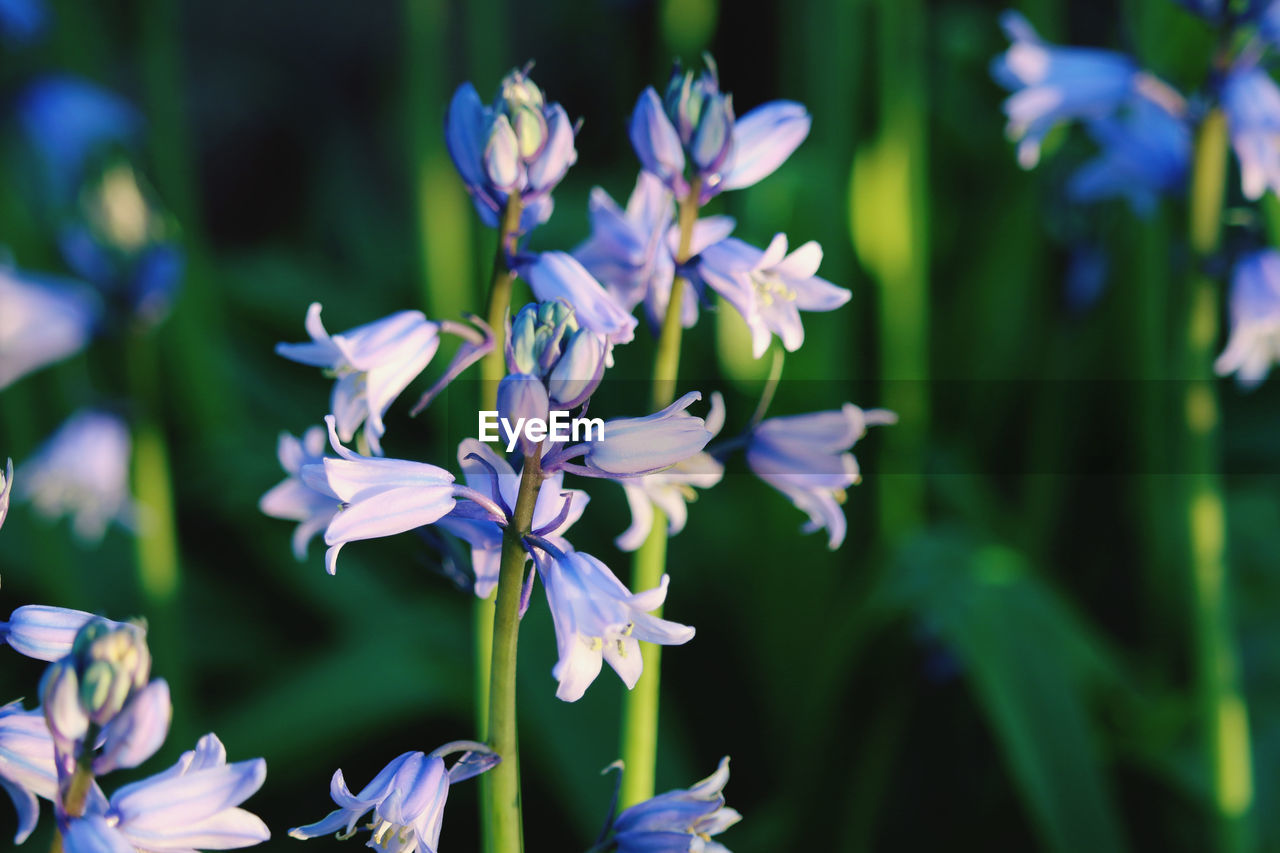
(1221, 700)
(75, 795)
(503, 828)
(640, 705)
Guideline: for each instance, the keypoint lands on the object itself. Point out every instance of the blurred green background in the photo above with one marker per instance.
(998, 658)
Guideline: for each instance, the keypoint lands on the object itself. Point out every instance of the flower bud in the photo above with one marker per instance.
(60, 699)
(521, 396)
(702, 116)
(112, 661)
(136, 732)
(577, 372)
(502, 156)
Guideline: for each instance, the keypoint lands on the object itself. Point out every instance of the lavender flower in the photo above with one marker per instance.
(294, 500)
(520, 145)
(1146, 152)
(373, 364)
(806, 458)
(407, 799)
(27, 767)
(44, 632)
(1254, 345)
(680, 820)
(191, 805)
(555, 276)
(380, 497)
(1251, 101)
(632, 252)
(44, 321)
(635, 446)
(82, 471)
(770, 288)
(6, 487)
(691, 135)
(547, 344)
(1053, 84)
(598, 619)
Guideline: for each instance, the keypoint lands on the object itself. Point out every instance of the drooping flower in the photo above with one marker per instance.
(630, 447)
(554, 512)
(6, 488)
(373, 364)
(1254, 345)
(1251, 101)
(770, 288)
(680, 820)
(555, 276)
(632, 252)
(691, 134)
(598, 619)
(407, 799)
(27, 767)
(672, 489)
(44, 321)
(192, 805)
(294, 500)
(1145, 153)
(82, 471)
(380, 497)
(520, 145)
(807, 458)
(1053, 84)
(45, 632)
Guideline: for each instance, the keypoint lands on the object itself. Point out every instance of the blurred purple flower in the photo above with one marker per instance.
(806, 458)
(770, 288)
(27, 767)
(373, 364)
(1254, 345)
(294, 500)
(44, 632)
(680, 820)
(44, 321)
(1145, 153)
(21, 21)
(1251, 101)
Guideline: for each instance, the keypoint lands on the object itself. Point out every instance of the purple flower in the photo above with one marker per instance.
(44, 632)
(678, 821)
(1145, 154)
(598, 619)
(294, 500)
(806, 458)
(27, 768)
(770, 288)
(555, 276)
(82, 471)
(520, 145)
(1053, 84)
(1254, 345)
(1251, 101)
(632, 252)
(630, 447)
(373, 364)
(691, 134)
(6, 487)
(407, 799)
(547, 344)
(489, 473)
(380, 497)
(44, 321)
(190, 806)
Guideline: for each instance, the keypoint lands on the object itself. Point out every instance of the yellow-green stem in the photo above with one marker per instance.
(1223, 710)
(503, 829)
(75, 796)
(640, 705)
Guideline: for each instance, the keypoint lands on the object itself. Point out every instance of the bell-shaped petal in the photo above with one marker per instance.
(521, 399)
(466, 133)
(657, 143)
(1251, 101)
(1145, 153)
(763, 139)
(502, 156)
(27, 768)
(558, 275)
(137, 732)
(293, 499)
(685, 817)
(44, 632)
(633, 446)
(44, 321)
(1254, 345)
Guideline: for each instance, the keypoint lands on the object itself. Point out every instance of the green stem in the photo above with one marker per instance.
(640, 705)
(76, 794)
(503, 829)
(1221, 700)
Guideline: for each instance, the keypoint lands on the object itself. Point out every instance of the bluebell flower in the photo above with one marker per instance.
(294, 500)
(672, 489)
(1254, 345)
(520, 145)
(632, 252)
(82, 471)
(770, 288)
(69, 121)
(555, 276)
(691, 134)
(546, 342)
(521, 398)
(135, 733)
(21, 21)
(27, 768)
(6, 488)
(192, 805)
(598, 619)
(44, 321)
(407, 799)
(554, 512)
(678, 821)
(1251, 101)
(631, 447)
(1053, 84)
(44, 632)
(380, 497)
(373, 364)
(806, 458)
(1145, 153)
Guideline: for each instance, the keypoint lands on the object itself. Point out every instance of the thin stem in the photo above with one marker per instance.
(504, 833)
(1221, 700)
(770, 386)
(640, 706)
(76, 794)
